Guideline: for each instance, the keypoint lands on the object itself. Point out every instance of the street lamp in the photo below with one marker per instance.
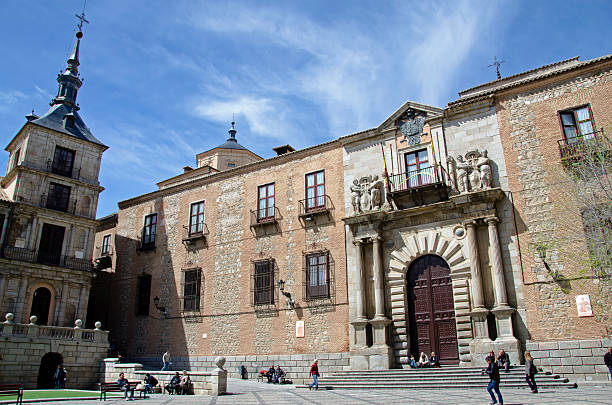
(161, 309)
(290, 301)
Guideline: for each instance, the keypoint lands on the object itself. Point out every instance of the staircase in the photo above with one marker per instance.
(434, 378)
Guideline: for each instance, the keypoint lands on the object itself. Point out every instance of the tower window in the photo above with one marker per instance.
(63, 161)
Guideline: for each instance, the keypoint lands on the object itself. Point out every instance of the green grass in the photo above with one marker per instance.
(49, 394)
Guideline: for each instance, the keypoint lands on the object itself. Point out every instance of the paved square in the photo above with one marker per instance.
(250, 392)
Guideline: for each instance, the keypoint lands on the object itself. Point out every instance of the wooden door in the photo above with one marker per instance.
(431, 309)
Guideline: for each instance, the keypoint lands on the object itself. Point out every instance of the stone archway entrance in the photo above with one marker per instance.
(431, 309)
(41, 302)
(48, 365)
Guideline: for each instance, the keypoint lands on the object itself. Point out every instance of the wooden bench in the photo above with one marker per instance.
(114, 387)
(7, 390)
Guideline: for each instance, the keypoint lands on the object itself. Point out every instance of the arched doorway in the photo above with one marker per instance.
(41, 302)
(431, 309)
(48, 365)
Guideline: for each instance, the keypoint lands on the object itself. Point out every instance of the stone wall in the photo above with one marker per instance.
(22, 348)
(297, 366)
(578, 360)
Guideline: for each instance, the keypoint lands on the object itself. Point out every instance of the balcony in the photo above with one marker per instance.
(312, 208)
(55, 168)
(50, 259)
(194, 232)
(103, 258)
(588, 144)
(265, 216)
(58, 204)
(419, 187)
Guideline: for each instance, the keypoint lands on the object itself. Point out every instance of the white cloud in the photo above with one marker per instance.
(10, 97)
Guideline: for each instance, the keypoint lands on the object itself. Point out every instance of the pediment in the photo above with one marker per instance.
(406, 112)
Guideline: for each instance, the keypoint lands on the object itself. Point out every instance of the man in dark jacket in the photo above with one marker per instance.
(504, 360)
(492, 371)
(123, 383)
(175, 384)
(608, 360)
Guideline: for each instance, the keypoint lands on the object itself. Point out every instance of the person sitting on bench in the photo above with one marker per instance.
(123, 383)
(175, 384)
(149, 382)
(279, 375)
(270, 374)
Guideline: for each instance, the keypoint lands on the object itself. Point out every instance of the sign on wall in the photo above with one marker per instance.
(583, 304)
(299, 329)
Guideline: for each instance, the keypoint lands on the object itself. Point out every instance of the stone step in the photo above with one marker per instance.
(436, 378)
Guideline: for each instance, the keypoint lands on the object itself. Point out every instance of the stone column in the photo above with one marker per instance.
(499, 282)
(503, 312)
(33, 234)
(21, 301)
(4, 226)
(3, 282)
(82, 309)
(379, 293)
(479, 312)
(358, 294)
(61, 310)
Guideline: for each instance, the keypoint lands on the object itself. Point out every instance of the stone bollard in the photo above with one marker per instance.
(7, 330)
(219, 378)
(99, 334)
(78, 332)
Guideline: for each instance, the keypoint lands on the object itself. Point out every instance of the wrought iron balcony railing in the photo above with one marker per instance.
(51, 259)
(264, 216)
(416, 178)
(315, 205)
(595, 142)
(194, 232)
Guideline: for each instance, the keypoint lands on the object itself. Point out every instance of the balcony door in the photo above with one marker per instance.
(51, 242)
(418, 170)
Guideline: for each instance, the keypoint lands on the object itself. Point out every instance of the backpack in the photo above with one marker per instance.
(153, 381)
(533, 369)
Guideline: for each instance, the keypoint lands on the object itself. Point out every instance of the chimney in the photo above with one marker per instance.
(281, 150)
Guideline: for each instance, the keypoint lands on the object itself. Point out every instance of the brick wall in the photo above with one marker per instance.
(546, 207)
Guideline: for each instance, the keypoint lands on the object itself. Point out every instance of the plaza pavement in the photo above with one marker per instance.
(251, 392)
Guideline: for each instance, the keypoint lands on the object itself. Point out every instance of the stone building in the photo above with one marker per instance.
(461, 233)
(240, 256)
(48, 201)
(479, 240)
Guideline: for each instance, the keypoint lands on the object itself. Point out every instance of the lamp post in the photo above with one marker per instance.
(161, 309)
(290, 301)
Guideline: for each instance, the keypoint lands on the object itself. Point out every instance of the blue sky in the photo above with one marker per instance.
(162, 78)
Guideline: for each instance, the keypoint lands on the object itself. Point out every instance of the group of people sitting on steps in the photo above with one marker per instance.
(179, 384)
(424, 361)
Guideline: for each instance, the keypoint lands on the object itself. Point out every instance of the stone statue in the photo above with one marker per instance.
(376, 191)
(452, 170)
(462, 175)
(355, 196)
(484, 166)
(474, 179)
(364, 200)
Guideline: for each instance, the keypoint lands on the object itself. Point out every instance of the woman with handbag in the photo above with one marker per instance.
(530, 372)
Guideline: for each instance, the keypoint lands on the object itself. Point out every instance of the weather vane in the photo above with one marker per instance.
(81, 17)
(497, 64)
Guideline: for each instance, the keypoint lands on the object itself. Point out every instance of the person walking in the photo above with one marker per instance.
(492, 371)
(608, 360)
(314, 372)
(166, 360)
(530, 372)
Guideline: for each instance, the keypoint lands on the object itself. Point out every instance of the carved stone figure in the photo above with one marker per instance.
(452, 170)
(376, 190)
(484, 166)
(474, 180)
(364, 201)
(462, 175)
(355, 196)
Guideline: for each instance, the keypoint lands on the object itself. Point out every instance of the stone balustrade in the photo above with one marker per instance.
(30, 353)
(204, 382)
(32, 330)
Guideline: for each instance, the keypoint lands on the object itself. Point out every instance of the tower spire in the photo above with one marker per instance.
(70, 80)
(232, 133)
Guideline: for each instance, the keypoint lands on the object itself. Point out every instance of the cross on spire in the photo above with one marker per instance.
(497, 64)
(81, 17)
